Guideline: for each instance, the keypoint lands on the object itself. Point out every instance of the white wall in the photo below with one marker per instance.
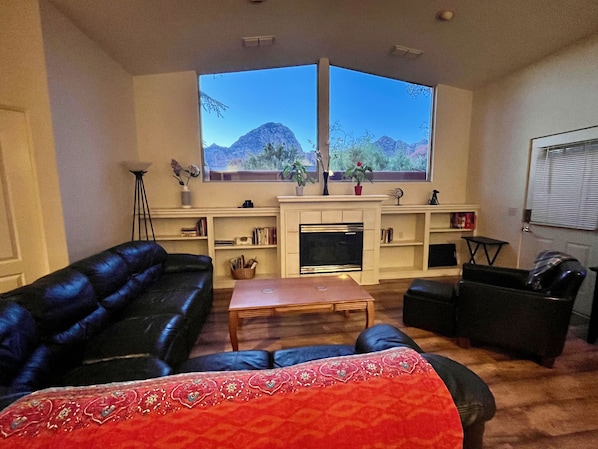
(92, 105)
(167, 115)
(558, 94)
(23, 87)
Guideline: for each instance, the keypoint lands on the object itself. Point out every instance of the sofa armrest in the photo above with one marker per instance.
(472, 396)
(501, 276)
(179, 263)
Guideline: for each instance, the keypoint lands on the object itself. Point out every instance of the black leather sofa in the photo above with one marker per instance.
(473, 399)
(130, 312)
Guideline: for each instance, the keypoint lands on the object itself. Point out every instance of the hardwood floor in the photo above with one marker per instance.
(537, 407)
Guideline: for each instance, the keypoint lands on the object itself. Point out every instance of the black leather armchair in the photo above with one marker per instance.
(521, 310)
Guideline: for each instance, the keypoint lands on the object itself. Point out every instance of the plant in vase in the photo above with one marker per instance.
(324, 162)
(358, 174)
(183, 176)
(297, 172)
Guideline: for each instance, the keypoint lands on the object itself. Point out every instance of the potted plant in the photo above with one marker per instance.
(358, 174)
(183, 176)
(298, 173)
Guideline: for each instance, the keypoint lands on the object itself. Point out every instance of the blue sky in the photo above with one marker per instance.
(360, 102)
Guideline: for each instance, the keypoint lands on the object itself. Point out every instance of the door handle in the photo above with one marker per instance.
(526, 228)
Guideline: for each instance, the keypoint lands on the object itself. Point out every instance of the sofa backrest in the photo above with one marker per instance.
(58, 302)
(18, 340)
(119, 274)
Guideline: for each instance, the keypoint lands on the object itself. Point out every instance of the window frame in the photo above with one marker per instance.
(560, 206)
(323, 139)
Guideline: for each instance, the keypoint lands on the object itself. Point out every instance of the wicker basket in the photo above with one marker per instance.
(243, 273)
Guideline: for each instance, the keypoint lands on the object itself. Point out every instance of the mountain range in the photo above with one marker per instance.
(219, 158)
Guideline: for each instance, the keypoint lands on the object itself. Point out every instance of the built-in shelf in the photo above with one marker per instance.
(179, 237)
(242, 247)
(415, 228)
(450, 230)
(401, 243)
(222, 223)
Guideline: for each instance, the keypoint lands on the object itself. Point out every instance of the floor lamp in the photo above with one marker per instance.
(141, 212)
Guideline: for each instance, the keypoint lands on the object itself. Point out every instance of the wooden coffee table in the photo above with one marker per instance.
(269, 297)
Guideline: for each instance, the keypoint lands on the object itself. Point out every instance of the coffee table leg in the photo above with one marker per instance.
(233, 322)
(369, 314)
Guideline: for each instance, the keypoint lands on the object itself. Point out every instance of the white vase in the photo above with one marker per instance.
(185, 198)
(299, 190)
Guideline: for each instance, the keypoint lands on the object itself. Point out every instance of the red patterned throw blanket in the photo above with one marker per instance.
(387, 399)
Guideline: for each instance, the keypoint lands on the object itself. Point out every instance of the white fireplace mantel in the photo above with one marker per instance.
(331, 198)
(318, 209)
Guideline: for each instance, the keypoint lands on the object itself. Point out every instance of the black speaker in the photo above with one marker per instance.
(442, 255)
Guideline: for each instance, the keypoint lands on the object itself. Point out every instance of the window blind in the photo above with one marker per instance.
(565, 186)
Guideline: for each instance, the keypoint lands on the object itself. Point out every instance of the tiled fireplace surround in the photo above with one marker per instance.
(296, 210)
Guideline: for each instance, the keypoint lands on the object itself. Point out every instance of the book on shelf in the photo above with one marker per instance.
(264, 236)
(463, 220)
(386, 235)
(199, 230)
(202, 227)
(223, 242)
(189, 232)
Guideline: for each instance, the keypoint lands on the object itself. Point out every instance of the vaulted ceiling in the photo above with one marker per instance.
(485, 40)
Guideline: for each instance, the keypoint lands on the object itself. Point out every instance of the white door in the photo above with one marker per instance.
(581, 244)
(22, 250)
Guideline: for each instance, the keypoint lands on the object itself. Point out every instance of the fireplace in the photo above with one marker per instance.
(330, 248)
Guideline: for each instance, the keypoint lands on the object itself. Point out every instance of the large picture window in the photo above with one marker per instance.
(383, 122)
(255, 122)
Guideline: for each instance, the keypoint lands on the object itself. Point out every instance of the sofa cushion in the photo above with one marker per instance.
(18, 339)
(254, 359)
(161, 336)
(184, 280)
(117, 370)
(37, 372)
(110, 278)
(139, 256)
(107, 272)
(80, 332)
(57, 301)
(156, 302)
(179, 263)
(294, 356)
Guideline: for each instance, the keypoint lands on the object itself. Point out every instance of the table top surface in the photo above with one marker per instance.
(484, 240)
(268, 293)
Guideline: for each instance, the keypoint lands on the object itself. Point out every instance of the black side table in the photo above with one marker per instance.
(484, 242)
(593, 328)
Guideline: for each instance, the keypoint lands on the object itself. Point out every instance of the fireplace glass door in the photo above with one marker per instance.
(330, 248)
